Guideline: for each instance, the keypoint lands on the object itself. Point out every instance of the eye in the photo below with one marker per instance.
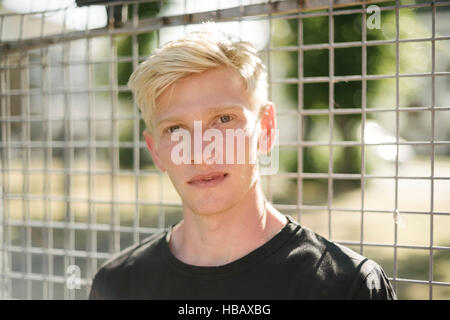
(172, 129)
(225, 118)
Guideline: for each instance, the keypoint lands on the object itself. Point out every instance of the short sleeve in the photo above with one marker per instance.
(375, 286)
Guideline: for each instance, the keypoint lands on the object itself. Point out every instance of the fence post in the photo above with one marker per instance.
(4, 288)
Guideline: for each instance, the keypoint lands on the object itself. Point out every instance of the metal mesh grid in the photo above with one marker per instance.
(41, 146)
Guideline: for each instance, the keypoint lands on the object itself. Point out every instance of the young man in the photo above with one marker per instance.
(231, 243)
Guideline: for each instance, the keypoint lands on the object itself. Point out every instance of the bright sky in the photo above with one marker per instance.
(76, 17)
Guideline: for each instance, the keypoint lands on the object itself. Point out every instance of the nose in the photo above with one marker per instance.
(197, 143)
(198, 153)
(206, 157)
(201, 156)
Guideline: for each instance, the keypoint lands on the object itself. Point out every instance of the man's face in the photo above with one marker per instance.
(215, 99)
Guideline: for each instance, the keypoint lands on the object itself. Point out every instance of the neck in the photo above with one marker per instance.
(223, 237)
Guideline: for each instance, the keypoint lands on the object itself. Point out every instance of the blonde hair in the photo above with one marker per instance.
(196, 52)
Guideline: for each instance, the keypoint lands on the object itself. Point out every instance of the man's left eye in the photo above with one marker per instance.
(225, 118)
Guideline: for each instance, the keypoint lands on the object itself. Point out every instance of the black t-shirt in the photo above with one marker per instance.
(295, 264)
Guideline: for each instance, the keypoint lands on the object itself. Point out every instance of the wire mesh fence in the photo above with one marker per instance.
(361, 90)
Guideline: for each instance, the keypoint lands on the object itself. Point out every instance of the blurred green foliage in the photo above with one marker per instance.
(347, 61)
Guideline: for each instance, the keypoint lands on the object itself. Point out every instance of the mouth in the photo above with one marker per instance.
(208, 180)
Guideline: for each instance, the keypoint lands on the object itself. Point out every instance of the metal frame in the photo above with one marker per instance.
(269, 10)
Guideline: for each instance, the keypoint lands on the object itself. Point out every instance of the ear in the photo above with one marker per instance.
(268, 128)
(151, 145)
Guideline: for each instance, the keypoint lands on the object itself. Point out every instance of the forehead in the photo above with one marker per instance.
(198, 93)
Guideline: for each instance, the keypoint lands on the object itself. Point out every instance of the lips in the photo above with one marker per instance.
(207, 180)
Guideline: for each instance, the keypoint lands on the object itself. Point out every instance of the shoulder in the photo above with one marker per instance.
(328, 254)
(113, 276)
(134, 254)
(338, 271)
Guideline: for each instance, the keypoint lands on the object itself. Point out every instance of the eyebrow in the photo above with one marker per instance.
(212, 110)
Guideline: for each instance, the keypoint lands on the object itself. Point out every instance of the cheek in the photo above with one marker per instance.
(241, 148)
(165, 153)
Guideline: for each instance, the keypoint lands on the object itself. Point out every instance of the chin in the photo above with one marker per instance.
(211, 206)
